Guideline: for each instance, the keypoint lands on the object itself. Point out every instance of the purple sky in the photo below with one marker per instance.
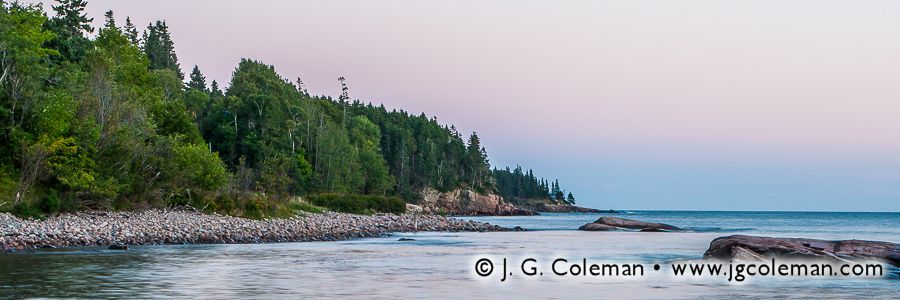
(716, 105)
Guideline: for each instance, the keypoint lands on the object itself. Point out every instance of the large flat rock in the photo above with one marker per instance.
(597, 227)
(613, 223)
(746, 246)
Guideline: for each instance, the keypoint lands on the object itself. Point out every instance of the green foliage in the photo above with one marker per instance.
(130, 31)
(306, 207)
(51, 204)
(198, 81)
(27, 210)
(195, 167)
(254, 210)
(160, 48)
(70, 166)
(366, 137)
(170, 113)
(22, 66)
(109, 123)
(477, 167)
(275, 175)
(70, 27)
(519, 186)
(359, 204)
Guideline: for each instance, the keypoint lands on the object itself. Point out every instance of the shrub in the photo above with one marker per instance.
(51, 203)
(253, 210)
(303, 206)
(195, 168)
(26, 210)
(223, 203)
(359, 204)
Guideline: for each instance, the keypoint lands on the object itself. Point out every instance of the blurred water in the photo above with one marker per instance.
(825, 225)
(440, 265)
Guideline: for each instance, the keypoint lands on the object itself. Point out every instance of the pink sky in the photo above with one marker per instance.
(632, 104)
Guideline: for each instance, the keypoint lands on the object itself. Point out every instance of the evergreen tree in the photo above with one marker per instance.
(24, 134)
(366, 136)
(131, 31)
(558, 194)
(214, 89)
(110, 123)
(477, 165)
(110, 20)
(198, 81)
(521, 187)
(70, 27)
(160, 48)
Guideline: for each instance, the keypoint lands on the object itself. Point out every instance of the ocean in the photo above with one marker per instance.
(442, 265)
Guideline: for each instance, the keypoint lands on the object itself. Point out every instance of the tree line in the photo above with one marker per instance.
(111, 122)
(519, 186)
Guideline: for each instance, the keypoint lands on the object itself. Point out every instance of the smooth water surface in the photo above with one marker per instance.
(440, 265)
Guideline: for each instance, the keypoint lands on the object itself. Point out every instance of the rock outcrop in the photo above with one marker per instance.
(613, 223)
(598, 227)
(468, 202)
(747, 247)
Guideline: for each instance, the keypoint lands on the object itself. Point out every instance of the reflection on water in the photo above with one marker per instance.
(435, 265)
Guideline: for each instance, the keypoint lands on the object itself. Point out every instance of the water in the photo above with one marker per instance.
(823, 225)
(440, 265)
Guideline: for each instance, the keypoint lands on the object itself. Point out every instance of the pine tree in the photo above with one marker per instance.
(110, 20)
(477, 164)
(160, 48)
(558, 194)
(70, 26)
(301, 87)
(198, 81)
(130, 31)
(126, 131)
(214, 89)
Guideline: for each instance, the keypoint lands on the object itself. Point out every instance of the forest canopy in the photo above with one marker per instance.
(104, 118)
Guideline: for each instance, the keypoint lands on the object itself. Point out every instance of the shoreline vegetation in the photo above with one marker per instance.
(106, 119)
(189, 226)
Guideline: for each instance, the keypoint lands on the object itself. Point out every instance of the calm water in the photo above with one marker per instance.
(440, 265)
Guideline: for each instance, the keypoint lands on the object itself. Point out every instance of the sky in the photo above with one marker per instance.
(669, 105)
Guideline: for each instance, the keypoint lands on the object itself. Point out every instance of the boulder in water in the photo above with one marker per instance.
(613, 223)
(597, 227)
(759, 248)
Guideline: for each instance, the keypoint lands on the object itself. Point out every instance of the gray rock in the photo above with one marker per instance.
(759, 247)
(188, 226)
(613, 223)
(597, 227)
(654, 230)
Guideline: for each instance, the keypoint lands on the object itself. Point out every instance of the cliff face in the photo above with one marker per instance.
(467, 202)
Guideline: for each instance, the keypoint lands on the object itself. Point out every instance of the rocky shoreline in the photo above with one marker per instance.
(158, 227)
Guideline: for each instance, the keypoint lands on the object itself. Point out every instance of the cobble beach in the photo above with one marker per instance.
(156, 227)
